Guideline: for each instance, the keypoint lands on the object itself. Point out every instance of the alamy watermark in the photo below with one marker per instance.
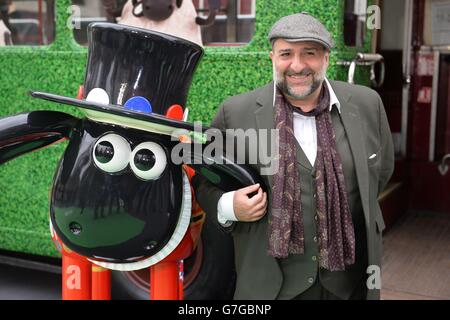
(373, 17)
(74, 21)
(374, 278)
(213, 146)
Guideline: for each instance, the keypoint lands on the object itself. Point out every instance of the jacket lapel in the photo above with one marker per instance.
(264, 110)
(264, 120)
(352, 122)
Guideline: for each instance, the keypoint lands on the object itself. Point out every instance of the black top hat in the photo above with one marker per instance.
(126, 62)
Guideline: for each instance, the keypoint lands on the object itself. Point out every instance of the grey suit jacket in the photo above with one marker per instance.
(367, 129)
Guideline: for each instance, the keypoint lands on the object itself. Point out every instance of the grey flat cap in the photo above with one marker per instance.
(301, 27)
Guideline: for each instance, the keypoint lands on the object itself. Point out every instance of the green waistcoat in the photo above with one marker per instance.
(301, 271)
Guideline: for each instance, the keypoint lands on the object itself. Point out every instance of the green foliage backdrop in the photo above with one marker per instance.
(59, 68)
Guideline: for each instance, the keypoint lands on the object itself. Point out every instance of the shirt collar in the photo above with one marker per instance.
(333, 98)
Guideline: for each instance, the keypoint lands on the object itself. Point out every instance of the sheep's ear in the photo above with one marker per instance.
(227, 174)
(26, 132)
(136, 4)
(230, 176)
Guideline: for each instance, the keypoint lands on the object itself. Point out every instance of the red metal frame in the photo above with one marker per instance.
(76, 277)
(101, 283)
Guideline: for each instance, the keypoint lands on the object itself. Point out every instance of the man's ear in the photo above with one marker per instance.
(327, 58)
(26, 132)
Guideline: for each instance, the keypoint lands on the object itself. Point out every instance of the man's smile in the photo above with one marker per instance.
(298, 79)
(303, 78)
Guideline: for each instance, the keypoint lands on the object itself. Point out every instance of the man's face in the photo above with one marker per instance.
(299, 67)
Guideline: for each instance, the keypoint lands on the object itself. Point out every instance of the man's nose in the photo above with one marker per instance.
(298, 64)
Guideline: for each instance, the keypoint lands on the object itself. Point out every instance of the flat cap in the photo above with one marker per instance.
(301, 27)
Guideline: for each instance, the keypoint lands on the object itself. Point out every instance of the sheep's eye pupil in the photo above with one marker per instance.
(144, 159)
(104, 152)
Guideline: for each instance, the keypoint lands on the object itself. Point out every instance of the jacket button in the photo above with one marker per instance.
(315, 239)
(316, 217)
(310, 279)
(314, 258)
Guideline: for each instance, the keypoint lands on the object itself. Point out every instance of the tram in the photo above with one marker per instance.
(399, 48)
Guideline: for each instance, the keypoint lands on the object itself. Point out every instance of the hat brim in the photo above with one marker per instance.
(328, 46)
(114, 114)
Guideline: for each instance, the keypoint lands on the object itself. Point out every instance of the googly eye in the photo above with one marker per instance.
(148, 161)
(111, 153)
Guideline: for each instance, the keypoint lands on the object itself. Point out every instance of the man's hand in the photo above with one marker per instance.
(249, 209)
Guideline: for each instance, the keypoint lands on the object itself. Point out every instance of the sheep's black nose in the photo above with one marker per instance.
(75, 228)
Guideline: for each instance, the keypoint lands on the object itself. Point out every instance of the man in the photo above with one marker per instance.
(319, 229)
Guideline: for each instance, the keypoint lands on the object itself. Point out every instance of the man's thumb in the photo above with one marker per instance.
(249, 189)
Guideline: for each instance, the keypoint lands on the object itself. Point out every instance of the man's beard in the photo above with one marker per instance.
(290, 92)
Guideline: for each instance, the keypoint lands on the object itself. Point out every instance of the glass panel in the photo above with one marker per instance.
(234, 22)
(355, 22)
(83, 13)
(27, 22)
(442, 144)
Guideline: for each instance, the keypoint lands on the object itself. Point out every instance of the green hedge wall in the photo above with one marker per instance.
(59, 68)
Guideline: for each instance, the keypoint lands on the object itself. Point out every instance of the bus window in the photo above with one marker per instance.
(27, 22)
(355, 22)
(87, 12)
(234, 23)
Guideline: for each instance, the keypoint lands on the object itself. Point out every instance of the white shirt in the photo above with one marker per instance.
(306, 135)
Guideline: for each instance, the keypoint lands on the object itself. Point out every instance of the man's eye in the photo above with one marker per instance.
(311, 53)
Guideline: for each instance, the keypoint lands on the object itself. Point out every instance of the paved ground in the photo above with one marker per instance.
(25, 284)
(415, 264)
(416, 258)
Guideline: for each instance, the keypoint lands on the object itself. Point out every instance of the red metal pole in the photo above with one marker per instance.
(76, 278)
(181, 281)
(40, 28)
(164, 281)
(101, 283)
(80, 94)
